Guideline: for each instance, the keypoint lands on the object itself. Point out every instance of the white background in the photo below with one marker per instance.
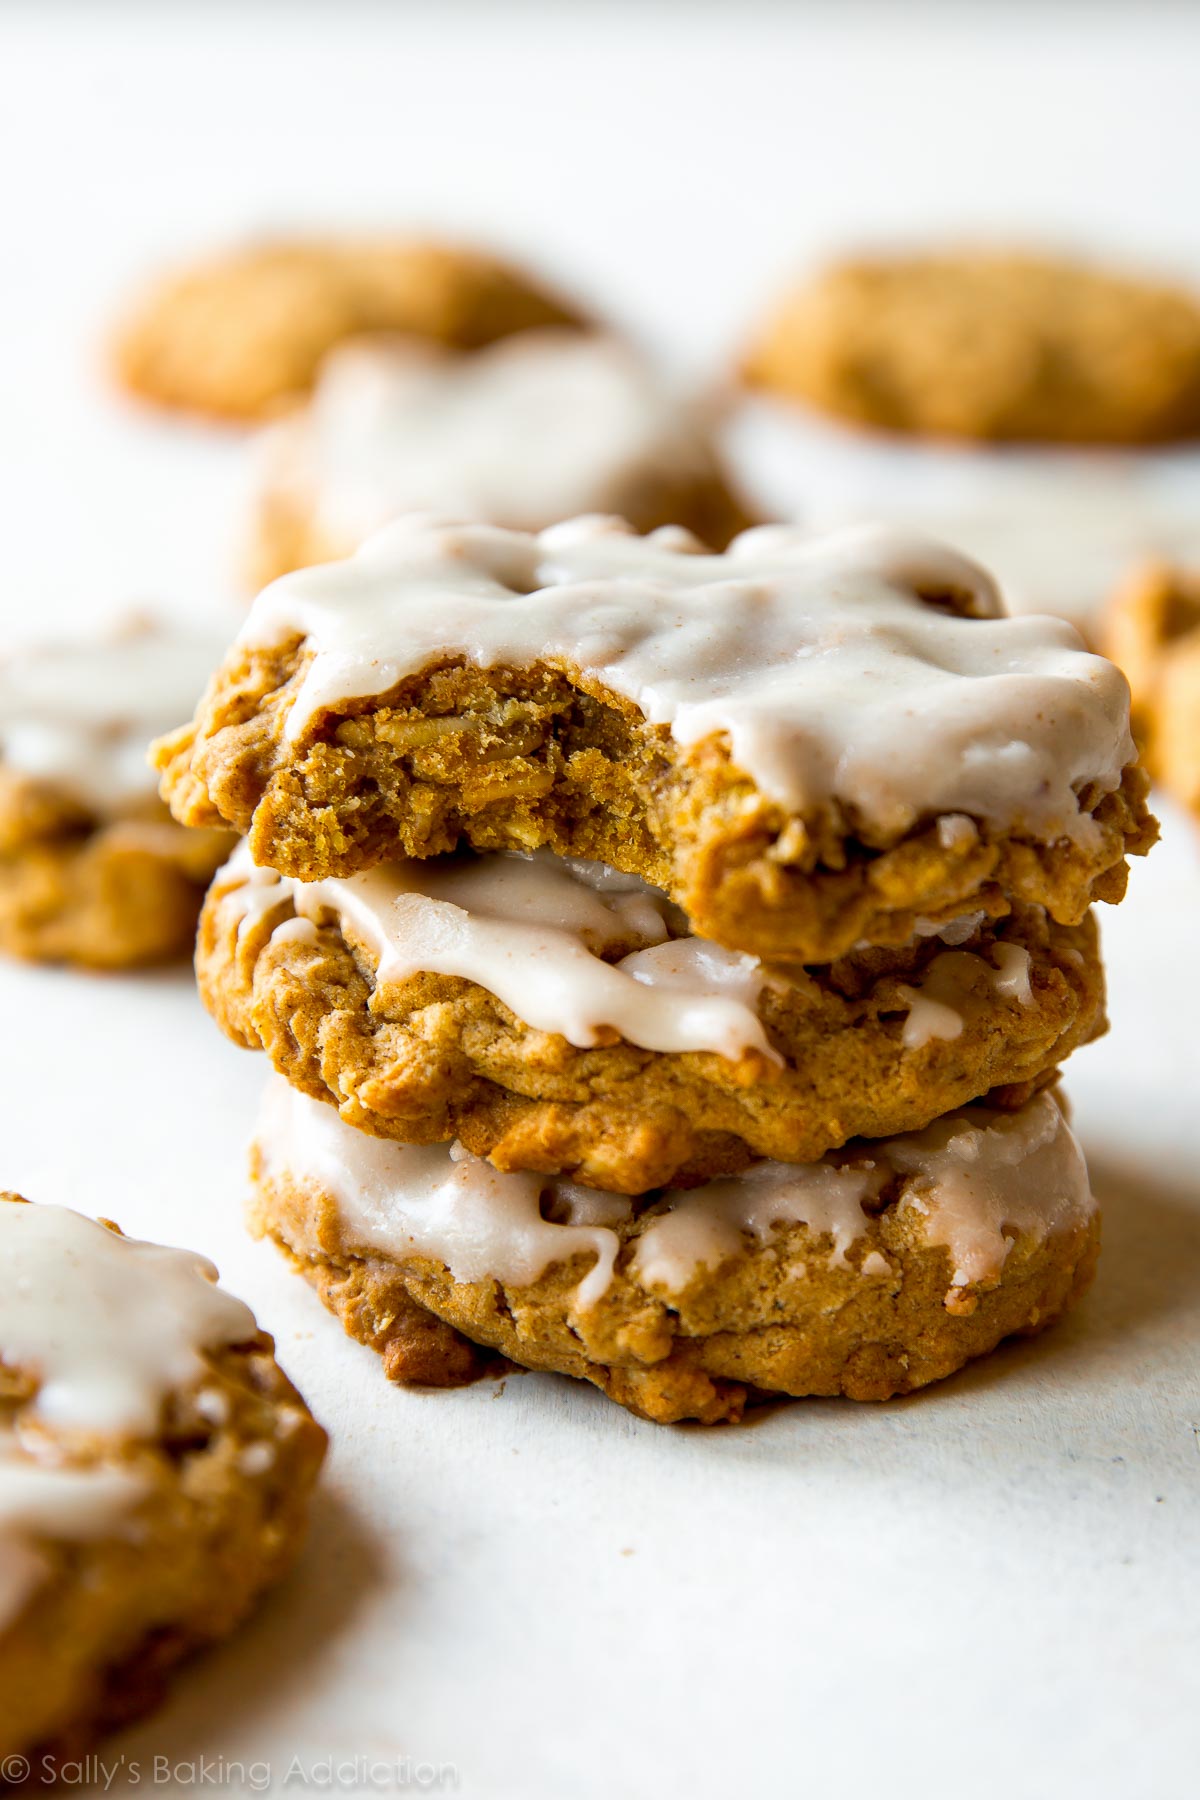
(989, 1587)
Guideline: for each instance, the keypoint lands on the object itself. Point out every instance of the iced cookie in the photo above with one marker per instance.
(93, 870)
(1152, 630)
(867, 1274)
(989, 346)
(557, 1016)
(155, 1465)
(538, 428)
(807, 743)
(243, 334)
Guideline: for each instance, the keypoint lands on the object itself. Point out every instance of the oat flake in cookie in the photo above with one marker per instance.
(807, 743)
(155, 1466)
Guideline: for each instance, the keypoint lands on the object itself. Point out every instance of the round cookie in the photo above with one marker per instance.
(808, 743)
(539, 427)
(155, 1466)
(1152, 630)
(241, 335)
(868, 1274)
(987, 345)
(93, 869)
(558, 1017)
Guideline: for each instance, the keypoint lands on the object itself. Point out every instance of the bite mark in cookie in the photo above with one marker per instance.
(807, 743)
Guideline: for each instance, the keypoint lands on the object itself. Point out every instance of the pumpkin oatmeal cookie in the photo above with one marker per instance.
(807, 743)
(245, 333)
(558, 1017)
(868, 1274)
(988, 345)
(155, 1467)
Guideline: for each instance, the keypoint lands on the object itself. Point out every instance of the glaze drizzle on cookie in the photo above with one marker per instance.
(972, 1183)
(864, 670)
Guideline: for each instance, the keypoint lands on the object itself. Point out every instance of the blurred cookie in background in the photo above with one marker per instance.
(1059, 528)
(93, 870)
(240, 335)
(541, 427)
(1003, 347)
(1152, 629)
(1034, 411)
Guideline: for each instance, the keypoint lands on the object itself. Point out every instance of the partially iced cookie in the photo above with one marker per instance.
(807, 743)
(868, 1274)
(155, 1466)
(557, 1016)
(93, 870)
(540, 427)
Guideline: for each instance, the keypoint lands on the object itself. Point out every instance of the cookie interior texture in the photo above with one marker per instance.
(240, 336)
(155, 1467)
(880, 1043)
(989, 346)
(690, 1305)
(326, 775)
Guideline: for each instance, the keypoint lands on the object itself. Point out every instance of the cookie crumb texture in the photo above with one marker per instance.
(240, 336)
(155, 1468)
(693, 1306)
(989, 346)
(1152, 631)
(351, 723)
(879, 1044)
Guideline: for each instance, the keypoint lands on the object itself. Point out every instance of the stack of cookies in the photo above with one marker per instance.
(666, 958)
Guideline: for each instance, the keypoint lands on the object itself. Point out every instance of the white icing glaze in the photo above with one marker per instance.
(65, 1504)
(950, 987)
(980, 1179)
(109, 1324)
(704, 1227)
(80, 716)
(539, 427)
(415, 1200)
(976, 1178)
(817, 658)
(530, 930)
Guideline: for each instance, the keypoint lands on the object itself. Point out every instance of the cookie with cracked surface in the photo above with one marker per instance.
(155, 1466)
(537, 428)
(868, 1274)
(93, 869)
(1152, 630)
(987, 345)
(807, 743)
(558, 1017)
(245, 333)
